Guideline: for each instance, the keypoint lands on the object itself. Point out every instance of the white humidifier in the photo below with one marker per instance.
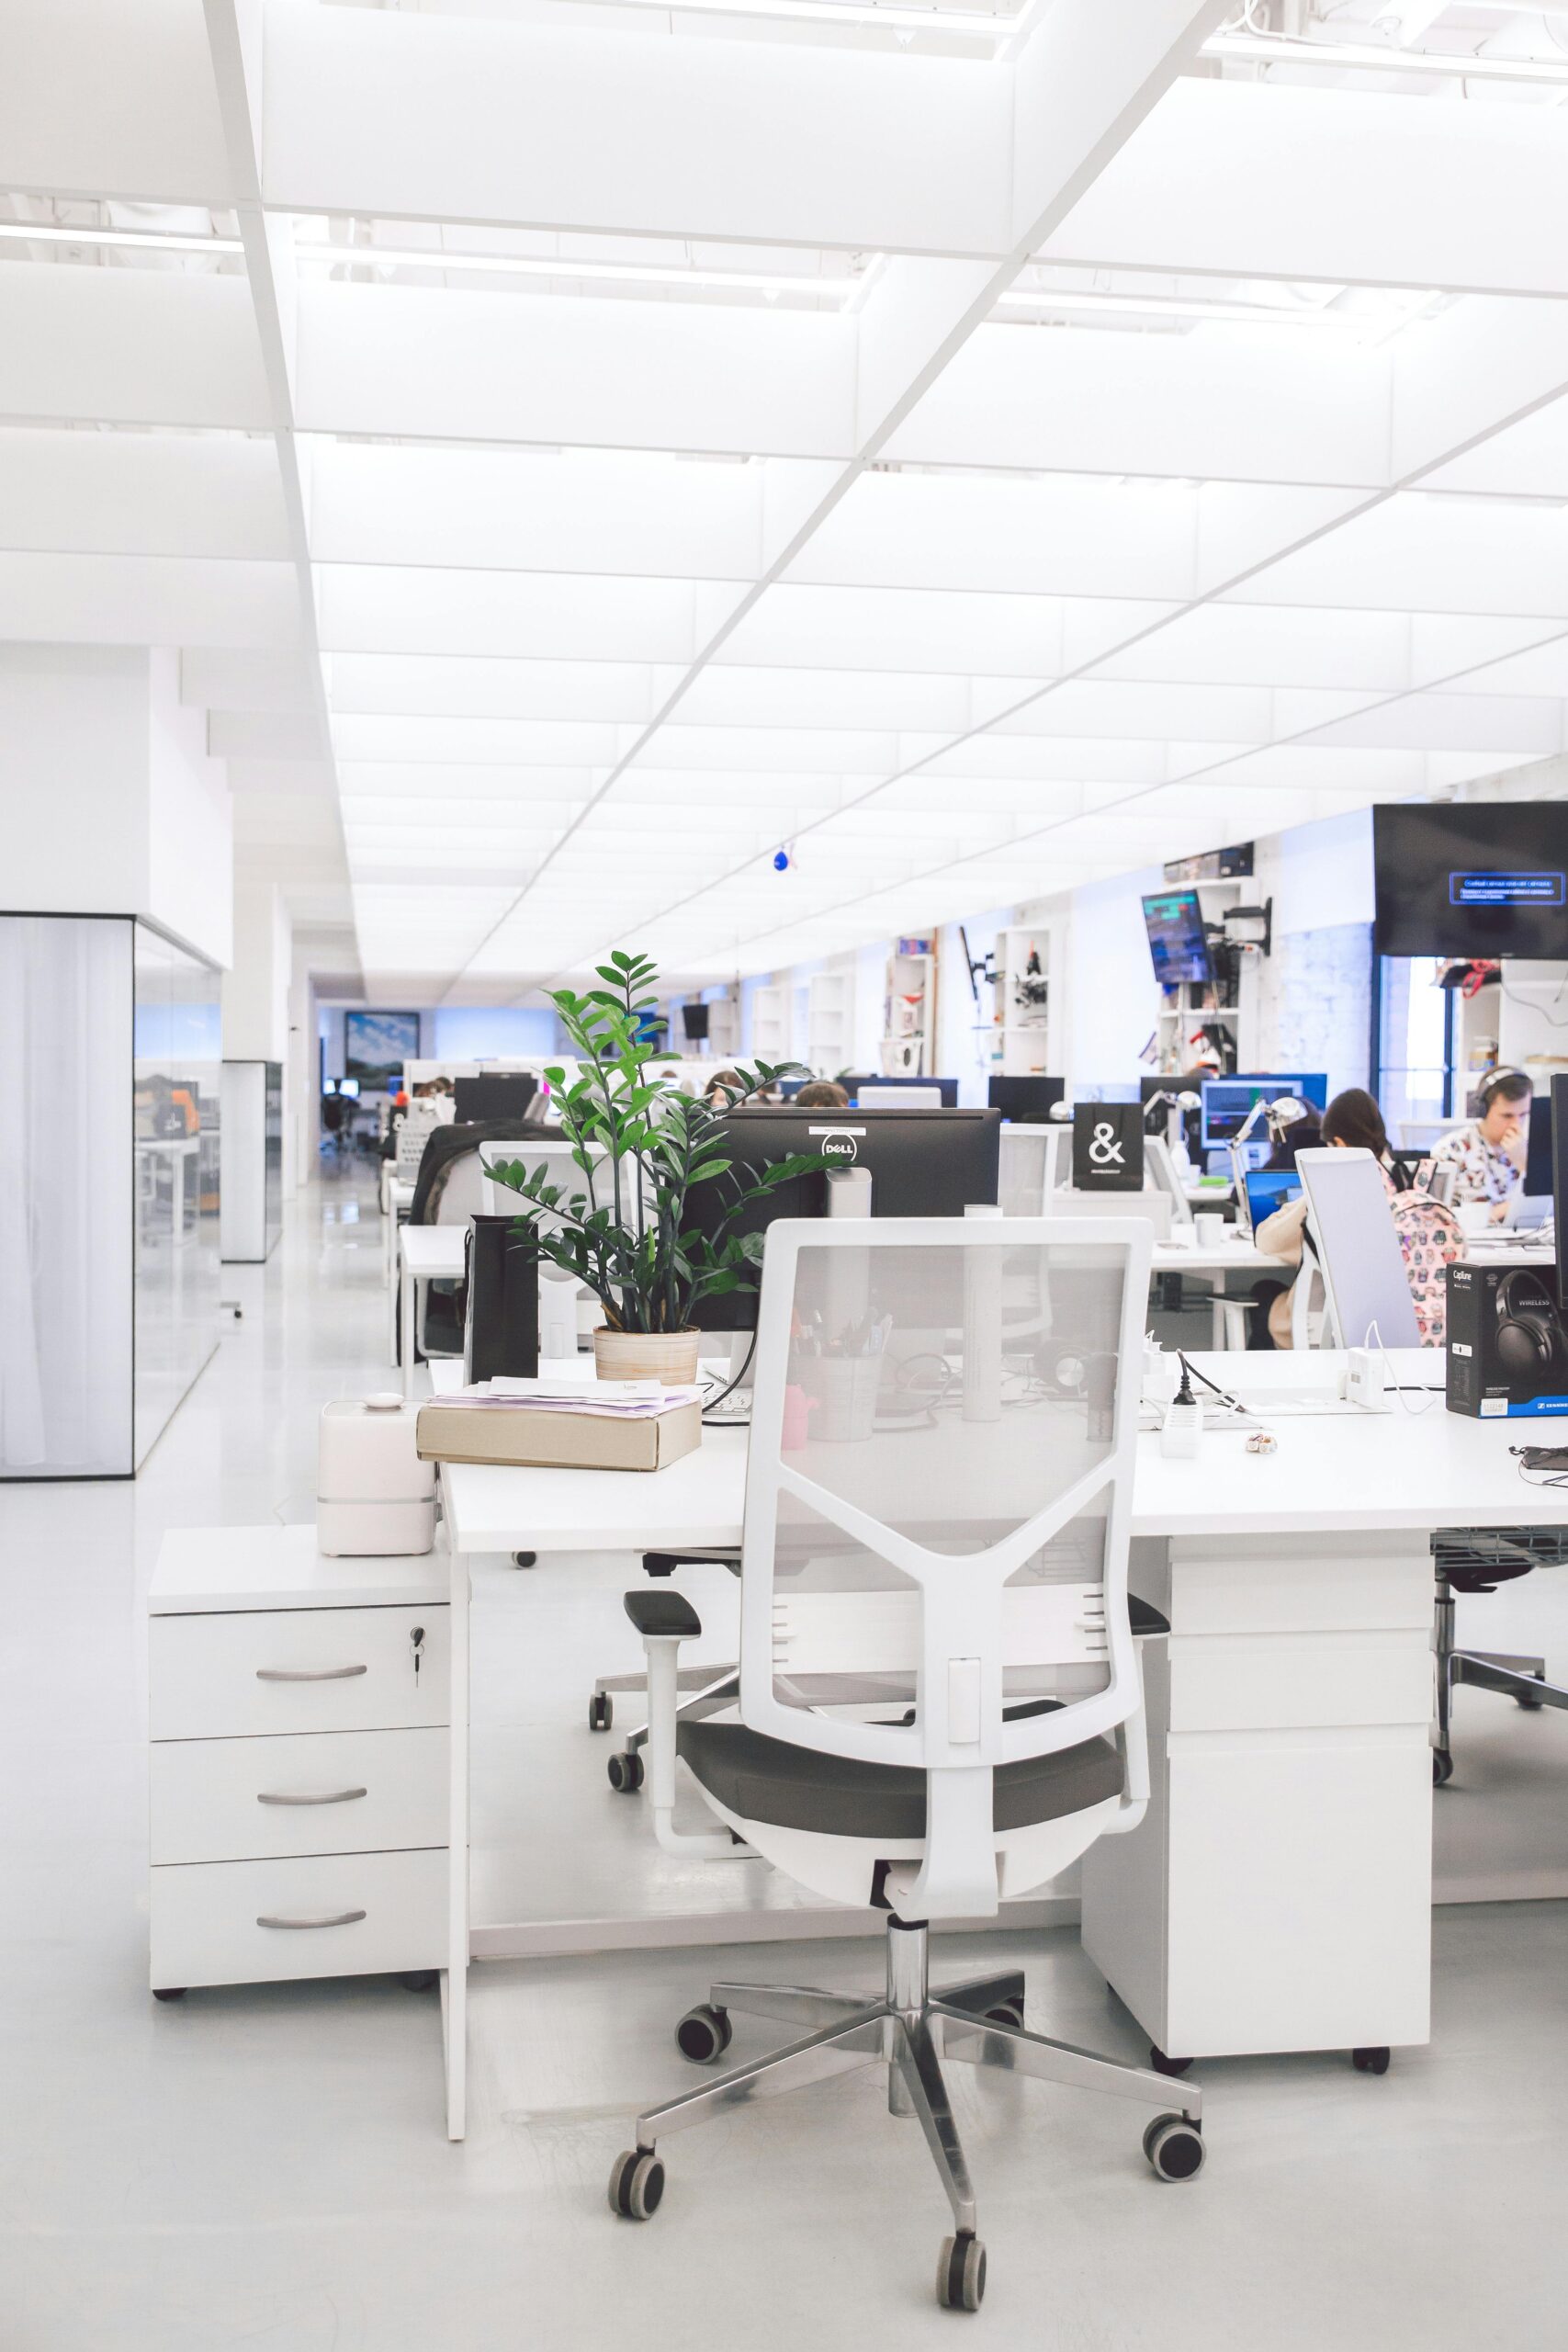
(373, 1493)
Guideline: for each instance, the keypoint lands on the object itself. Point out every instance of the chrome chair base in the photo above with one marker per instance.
(1522, 1680)
(912, 2032)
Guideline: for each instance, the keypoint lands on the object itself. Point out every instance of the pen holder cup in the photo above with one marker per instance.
(846, 1398)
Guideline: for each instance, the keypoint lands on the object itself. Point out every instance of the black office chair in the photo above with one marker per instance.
(1472, 1560)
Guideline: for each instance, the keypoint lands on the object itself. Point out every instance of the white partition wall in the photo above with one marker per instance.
(174, 1081)
(66, 1008)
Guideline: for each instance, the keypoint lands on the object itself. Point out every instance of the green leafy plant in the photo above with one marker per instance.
(643, 1147)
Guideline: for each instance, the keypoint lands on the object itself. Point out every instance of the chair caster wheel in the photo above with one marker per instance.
(1164, 2065)
(601, 1711)
(637, 2184)
(703, 2034)
(961, 2274)
(1006, 2013)
(1442, 1766)
(168, 1992)
(418, 1980)
(1370, 2062)
(626, 1772)
(1174, 2148)
(524, 1559)
(1530, 1706)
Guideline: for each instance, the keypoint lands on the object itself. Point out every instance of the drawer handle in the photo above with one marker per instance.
(308, 1673)
(327, 1919)
(328, 1797)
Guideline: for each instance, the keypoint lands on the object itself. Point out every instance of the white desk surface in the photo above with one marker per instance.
(1342, 1471)
(433, 1252)
(1237, 1256)
(204, 1569)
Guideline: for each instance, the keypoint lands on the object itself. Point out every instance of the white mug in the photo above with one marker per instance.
(1211, 1230)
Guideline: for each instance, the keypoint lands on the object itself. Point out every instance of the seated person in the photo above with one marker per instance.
(822, 1094)
(722, 1089)
(1488, 1156)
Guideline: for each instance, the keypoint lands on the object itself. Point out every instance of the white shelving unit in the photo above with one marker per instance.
(1026, 987)
(769, 1024)
(1183, 1010)
(909, 1027)
(829, 1022)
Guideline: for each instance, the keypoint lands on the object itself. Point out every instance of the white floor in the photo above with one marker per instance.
(266, 2167)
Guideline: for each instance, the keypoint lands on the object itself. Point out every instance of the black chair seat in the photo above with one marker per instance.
(760, 1778)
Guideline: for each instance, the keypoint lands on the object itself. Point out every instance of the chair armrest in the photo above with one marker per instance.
(664, 1564)
(664, 1616)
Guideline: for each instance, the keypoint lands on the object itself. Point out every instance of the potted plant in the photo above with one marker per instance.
(643, 1147)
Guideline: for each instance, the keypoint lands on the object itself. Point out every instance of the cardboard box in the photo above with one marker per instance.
(1508, 1346)
(523, 1435)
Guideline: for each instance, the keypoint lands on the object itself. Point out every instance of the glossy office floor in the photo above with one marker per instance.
(266, 2167)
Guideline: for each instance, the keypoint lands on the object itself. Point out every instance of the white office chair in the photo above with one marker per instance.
(940, 1699)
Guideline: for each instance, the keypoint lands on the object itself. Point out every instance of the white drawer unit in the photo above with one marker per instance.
(300, 1760)
(314, 1915)
(313, 1793)
(297, 1670)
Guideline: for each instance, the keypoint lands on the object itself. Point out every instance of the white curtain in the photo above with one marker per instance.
(65, 1202)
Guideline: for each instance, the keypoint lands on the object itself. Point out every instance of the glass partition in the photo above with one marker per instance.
(176, 1072)
(65, 1205)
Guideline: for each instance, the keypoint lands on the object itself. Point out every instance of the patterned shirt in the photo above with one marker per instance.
(1482, 1171)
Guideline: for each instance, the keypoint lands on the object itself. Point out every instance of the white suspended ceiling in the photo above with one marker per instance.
(583, 446)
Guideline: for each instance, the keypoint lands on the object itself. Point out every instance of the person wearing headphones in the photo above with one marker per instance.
(1488, 1156)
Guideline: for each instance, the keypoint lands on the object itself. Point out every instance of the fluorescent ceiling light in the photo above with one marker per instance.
(145, 240)
(550, 266)
(1259, 49)
(974, 23)
(1176, 306)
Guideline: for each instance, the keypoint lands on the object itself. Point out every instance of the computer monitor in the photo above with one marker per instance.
(1560, 1178)
(1358, 1248)
(505, 1096)
(921, 1163)
(1268, 1188)
(349, 1086)
(1538, 1159)
(943, 1092)
(1229, 1102)
(1030, 1099)
(329, 1086)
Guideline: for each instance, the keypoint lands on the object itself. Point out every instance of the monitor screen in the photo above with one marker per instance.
(1030, 1099)
(1472, 878)
(922, 1163)
(349, 1086)
(505, 1096)
(1268, 1188)
(1177, 942)
(1538, 1160)
(1227, 1102)
(944, 1091)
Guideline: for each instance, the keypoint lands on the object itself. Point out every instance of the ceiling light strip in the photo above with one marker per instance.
(551, 266)
(1276, 49)
(138, 240)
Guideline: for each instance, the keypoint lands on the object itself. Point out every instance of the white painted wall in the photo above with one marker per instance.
(256, 986)
(112, 806)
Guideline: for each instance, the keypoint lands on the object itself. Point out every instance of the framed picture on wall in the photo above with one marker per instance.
(376, 1045)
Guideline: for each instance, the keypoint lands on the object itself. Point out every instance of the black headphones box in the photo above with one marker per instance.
(1507, 1343)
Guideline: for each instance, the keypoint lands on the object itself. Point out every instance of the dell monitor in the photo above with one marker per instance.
(505, 1096)
(1179, 943)
(921, 1163)
(944, 1091)
(1228, 1102)
(1028, 1100)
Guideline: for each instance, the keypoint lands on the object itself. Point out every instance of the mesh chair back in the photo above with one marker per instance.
(937, 1497)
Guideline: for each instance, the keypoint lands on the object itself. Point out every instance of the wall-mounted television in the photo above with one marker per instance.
(377, 1044)
(1475, 877)
(1177, 942)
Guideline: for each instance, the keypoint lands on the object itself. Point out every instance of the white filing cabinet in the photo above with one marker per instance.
(298, 1709)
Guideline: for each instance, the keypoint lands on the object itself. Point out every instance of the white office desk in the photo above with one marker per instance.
(426, 1253)
(1237, 1256)
(1278, 1897)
